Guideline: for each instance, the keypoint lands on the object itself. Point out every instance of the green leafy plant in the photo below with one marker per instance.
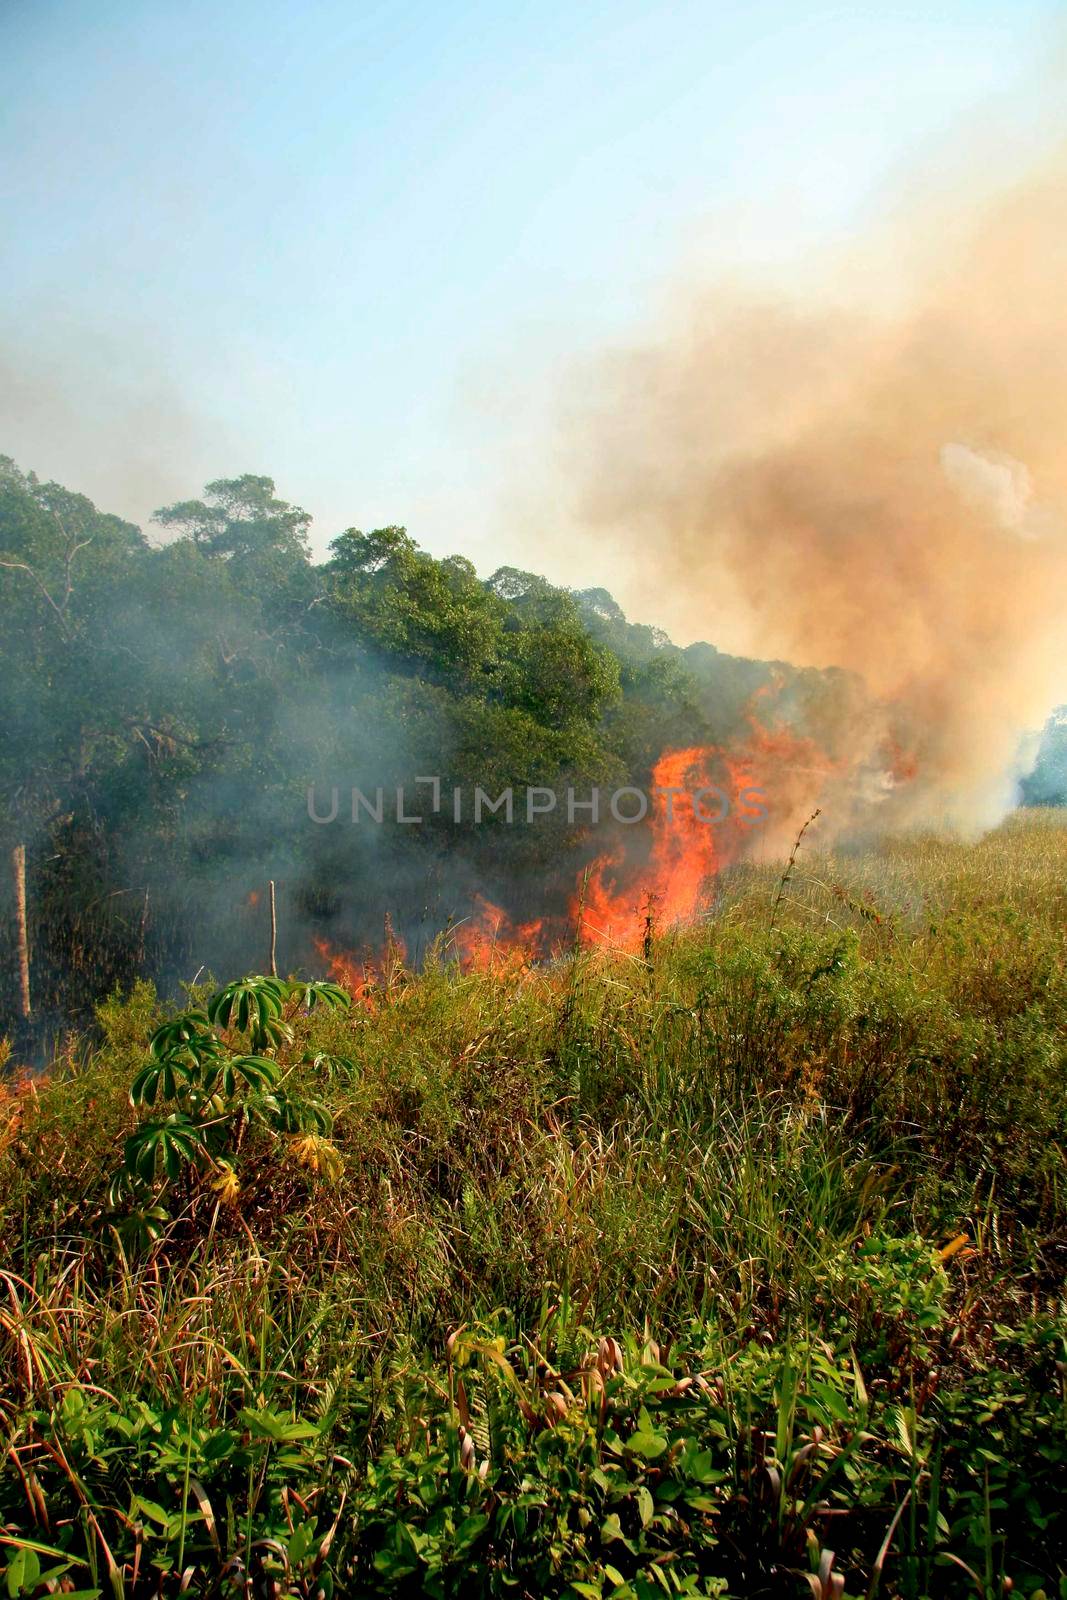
(198, 1064)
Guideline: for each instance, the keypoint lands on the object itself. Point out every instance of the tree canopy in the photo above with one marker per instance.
(167, 704)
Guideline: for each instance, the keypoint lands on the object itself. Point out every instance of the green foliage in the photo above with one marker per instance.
(1046, 785)
(240, 519)
(255, 1006)
(736, 1270)
(569, 1466)
(196, 1062)
(152, 777)
(165, 707)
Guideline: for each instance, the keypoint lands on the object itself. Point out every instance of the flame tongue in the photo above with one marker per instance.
(489, 937)
(363, 978)
(707, 809)
(684, 854)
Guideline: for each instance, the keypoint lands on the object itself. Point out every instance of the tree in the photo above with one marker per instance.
(138, 692)
(240, 517)
(166, 708)
(431, 617)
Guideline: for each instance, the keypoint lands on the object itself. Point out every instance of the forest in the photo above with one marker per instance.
(167, 703)
(169, 700)
(425, 1245)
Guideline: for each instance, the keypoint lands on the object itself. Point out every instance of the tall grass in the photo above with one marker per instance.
(781, 1199)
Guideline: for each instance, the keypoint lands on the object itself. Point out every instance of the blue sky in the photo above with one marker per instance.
(360, 247)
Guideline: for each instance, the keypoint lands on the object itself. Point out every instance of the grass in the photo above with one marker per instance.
(735, 1267)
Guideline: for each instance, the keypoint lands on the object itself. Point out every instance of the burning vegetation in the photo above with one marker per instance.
(156, 785)
(869, 479)
(630, 1159)
(694, 1263)
(874, 501)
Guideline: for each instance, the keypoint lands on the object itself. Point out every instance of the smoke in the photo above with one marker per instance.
(880, 489)
(100, 410)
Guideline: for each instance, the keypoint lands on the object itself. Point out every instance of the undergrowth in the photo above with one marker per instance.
(729, 1267)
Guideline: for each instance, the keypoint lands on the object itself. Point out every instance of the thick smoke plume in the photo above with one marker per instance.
(882, 490)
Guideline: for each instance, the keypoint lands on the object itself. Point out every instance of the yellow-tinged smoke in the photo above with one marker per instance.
(884, 491)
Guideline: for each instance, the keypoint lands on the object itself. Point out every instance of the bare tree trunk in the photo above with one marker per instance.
(273, 933)
(18, 872)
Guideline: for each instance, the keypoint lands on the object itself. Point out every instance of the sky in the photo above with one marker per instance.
(361, 247)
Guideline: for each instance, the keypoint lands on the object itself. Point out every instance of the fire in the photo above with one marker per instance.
(902, 764)
(361, 978)
(490, 937)
(792, 773)
(707, 808)
(684, 854)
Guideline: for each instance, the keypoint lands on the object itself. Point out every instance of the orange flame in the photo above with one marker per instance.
(776, 775)
(707, 809)
(684, 854)
(359, 978)
(491, 938)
